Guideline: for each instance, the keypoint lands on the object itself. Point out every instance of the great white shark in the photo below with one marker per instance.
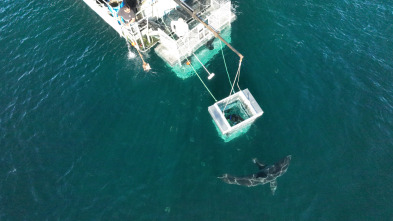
(266, 174)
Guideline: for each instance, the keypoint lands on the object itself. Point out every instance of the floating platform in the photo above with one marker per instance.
(235, 112)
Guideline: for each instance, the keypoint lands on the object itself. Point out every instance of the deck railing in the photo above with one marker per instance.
(183, 47)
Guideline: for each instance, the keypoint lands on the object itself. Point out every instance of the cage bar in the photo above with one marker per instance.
(235, 112)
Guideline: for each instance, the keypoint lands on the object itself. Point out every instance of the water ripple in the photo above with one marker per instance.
(76, 115)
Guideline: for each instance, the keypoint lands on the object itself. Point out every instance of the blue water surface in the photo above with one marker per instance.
(86, 134)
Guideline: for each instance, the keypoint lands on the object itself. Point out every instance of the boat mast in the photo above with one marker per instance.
(190, 11)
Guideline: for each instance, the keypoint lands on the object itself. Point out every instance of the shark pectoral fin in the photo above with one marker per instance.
(223, 176)
(273, 186)
(260, 165)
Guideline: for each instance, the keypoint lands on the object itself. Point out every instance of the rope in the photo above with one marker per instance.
(145, 65)
(225, 63)
(189, 62)
(236, 78)
(139, 54)
(203, 66)
(202, 81)
(237, 73)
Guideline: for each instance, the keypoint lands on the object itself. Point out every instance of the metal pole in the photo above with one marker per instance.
(147, 31)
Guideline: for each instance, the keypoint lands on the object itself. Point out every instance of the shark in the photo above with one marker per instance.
(266, 174)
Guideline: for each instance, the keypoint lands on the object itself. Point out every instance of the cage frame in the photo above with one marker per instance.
(247, 100)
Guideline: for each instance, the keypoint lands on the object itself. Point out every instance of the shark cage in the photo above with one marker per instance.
(235, 113)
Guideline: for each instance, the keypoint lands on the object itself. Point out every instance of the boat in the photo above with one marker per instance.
(155, 22)
(179, 31)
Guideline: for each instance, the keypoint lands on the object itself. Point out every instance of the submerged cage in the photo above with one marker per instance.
(235, 112)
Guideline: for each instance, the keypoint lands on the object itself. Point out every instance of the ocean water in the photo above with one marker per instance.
(86, 134)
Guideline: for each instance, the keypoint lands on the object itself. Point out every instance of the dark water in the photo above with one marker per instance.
(85, 134)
